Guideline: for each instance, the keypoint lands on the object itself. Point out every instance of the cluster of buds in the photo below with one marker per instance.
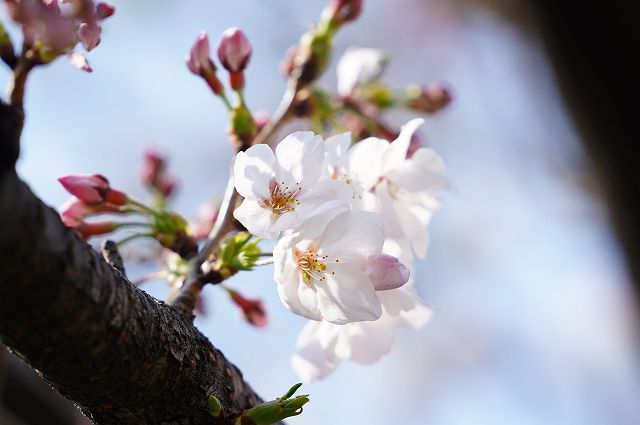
(234, 52)
(49, 32)
(428, 99)
(155, 175)
(93, 195)
(306, 61)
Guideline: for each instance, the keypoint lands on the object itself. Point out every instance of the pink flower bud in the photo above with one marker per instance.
(76, 210)
(198, 59)
(92, 189)
(153, 165)
(80, 62)
(89, 35)
(234, 50)
(262, 119)
(252, 309)
(154, 173)
(104, 10)
(387, 272)
(288, 64)
(345, 10)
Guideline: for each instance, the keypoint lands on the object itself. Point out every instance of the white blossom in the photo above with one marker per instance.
(279, 191)
(321, 267)
(321, 346)
(406, 189)
(359, 66)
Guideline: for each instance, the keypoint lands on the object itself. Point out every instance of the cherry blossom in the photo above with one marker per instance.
(320, 268)
(359, 66)
(407, 189)
(321, 345)
(281, 190)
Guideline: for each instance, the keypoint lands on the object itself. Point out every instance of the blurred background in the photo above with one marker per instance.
(534, 315)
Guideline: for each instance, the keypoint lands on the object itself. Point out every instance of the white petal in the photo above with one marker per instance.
(405, 305)
(312, 360)
(253, 170)
(391, 223)
(397, 153)
(353, 237)
(414, 219)
(322, 192)
(336, 148)
(286, 221)
(366, 342)
(359, 66)
(420, 179)
(347, 296)
(258, 220)
(315, 223)
(287, 277)
(301, 158)
(365, 161)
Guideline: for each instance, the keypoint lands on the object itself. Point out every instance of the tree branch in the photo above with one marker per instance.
(121, 355)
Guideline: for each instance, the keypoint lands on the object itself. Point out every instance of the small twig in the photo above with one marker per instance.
(17, 82)
(280, 117)
(186, 298)
(112, 255)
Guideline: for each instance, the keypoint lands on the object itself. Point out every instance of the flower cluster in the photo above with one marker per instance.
(93, 195)
(51, 29)
(234, 52)
(344, 215)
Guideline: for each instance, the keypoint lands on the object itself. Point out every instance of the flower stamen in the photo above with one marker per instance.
(312, 266)
(281, 198)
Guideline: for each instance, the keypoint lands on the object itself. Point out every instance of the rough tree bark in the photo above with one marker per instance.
(121, 355)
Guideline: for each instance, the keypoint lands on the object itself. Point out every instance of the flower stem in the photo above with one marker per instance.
(133, 237)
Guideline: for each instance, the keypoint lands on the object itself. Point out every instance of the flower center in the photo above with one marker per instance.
(282, 199)
(313, 266)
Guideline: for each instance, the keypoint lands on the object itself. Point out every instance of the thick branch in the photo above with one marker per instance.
(121, 355)
(595, 55)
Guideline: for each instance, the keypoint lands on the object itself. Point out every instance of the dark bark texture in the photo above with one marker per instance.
(121, 355)
(595, 50)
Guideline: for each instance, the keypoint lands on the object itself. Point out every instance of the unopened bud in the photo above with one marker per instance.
(342, 11)
(387, 272)
(78, 61)
(261, 119)
(75, 209)
(288, 64)
(234, 50)
(199, 62)
(429, 99)
(276, 410)
(104, 10)
(92, 189)
(89, 35)
(253, 310)
(154, 174)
